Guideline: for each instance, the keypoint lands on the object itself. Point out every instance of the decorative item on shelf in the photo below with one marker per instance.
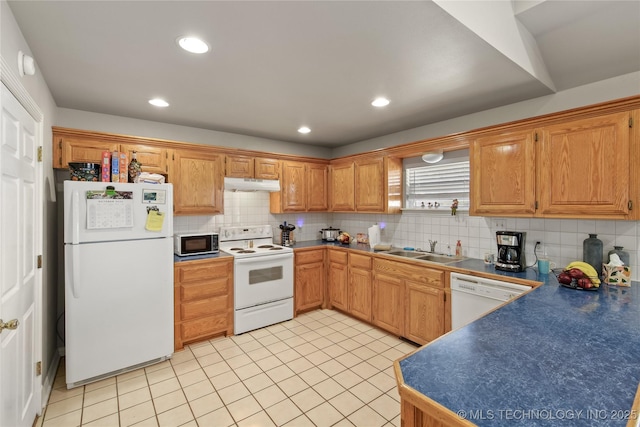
(422, 205)
(592, 252)
(454, 206)
(84, 172)
(135, 167)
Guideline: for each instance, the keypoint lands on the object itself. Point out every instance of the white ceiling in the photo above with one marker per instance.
(277, 65)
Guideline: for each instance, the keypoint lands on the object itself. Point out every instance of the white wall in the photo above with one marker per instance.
(562, 238)
(605, 90)
(11, 41)
(123, 125)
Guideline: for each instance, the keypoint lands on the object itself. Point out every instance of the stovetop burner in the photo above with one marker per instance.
(250, 241)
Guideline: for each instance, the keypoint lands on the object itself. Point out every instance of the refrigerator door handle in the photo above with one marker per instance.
(75, 271)
(74, 221)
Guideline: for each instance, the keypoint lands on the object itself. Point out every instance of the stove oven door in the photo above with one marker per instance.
(262, 279)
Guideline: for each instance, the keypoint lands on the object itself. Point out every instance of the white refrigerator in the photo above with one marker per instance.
(118, 247)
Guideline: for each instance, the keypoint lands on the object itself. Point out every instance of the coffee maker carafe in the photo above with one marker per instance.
(510, 251)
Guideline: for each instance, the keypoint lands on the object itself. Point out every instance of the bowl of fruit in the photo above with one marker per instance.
(579, 275)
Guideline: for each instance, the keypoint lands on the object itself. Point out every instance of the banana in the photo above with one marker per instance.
(587, 269)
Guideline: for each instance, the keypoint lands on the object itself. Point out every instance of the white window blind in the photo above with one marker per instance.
(435, 186)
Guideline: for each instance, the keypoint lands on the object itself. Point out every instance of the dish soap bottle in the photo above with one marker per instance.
(458, 248)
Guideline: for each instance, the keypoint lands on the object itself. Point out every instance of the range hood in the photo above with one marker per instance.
(250, 184)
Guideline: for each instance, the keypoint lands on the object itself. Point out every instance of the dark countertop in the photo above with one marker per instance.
(177, 258)
(553, 357)
(571, 355)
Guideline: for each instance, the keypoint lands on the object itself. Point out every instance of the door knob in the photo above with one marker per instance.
(11, 324)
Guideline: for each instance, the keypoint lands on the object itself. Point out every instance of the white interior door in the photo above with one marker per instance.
(19, 276)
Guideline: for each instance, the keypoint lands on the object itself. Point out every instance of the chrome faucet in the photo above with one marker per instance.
(433, 244)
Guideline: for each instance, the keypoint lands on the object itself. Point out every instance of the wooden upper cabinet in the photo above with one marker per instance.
(294, 186)
(239, 167)
(342, 187)
(317, 191)
(369, 185)
(584, 168)
(69, 149)
(152, 159)
(366, 184)
(503, 174)
(303, 187)
(266, 168)
(250, 167)
(198, 182)
(87, 147)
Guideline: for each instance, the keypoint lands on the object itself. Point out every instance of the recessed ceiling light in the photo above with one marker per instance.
(304, 129)
(380, 102)
(193, 45)
(158, 102)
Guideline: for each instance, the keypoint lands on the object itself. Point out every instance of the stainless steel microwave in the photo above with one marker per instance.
(195, 244)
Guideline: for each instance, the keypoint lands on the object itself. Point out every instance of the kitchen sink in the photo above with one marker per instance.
(408, 254)
(424, 256)
(442, 259)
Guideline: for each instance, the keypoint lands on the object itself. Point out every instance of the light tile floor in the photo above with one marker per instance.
(322, 368)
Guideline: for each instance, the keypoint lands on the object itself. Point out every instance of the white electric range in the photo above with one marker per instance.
(263, 276)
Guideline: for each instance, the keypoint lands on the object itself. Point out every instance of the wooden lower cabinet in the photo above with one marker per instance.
(388, 303)
(409, 300)
(424, 315)
(309, 279)
(403, 298)
(203, 300)
(359, 289)
(338, 278)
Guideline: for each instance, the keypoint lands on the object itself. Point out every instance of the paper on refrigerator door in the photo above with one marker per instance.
(109, 213)
(155, 220)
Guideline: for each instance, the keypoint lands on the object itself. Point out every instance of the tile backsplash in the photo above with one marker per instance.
(561, 238)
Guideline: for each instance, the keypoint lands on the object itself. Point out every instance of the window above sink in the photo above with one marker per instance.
(433, 187)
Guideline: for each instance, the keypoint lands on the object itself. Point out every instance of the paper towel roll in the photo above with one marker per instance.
(374, 235)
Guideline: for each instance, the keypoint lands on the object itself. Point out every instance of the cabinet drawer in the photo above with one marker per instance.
(203, 327)
(338, 256)
(360, 261)
(307, 257)
(210, 288)
(205, 271)
(205, 307)
(418, 274)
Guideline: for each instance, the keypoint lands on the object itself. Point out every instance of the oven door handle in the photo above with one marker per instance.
(263, 258)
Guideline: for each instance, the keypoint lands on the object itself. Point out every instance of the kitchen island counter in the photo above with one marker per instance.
(553, 357)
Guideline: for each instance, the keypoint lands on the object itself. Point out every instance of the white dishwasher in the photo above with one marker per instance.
(472, 297)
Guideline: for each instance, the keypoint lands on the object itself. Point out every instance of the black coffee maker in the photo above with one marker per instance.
(510, 251)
